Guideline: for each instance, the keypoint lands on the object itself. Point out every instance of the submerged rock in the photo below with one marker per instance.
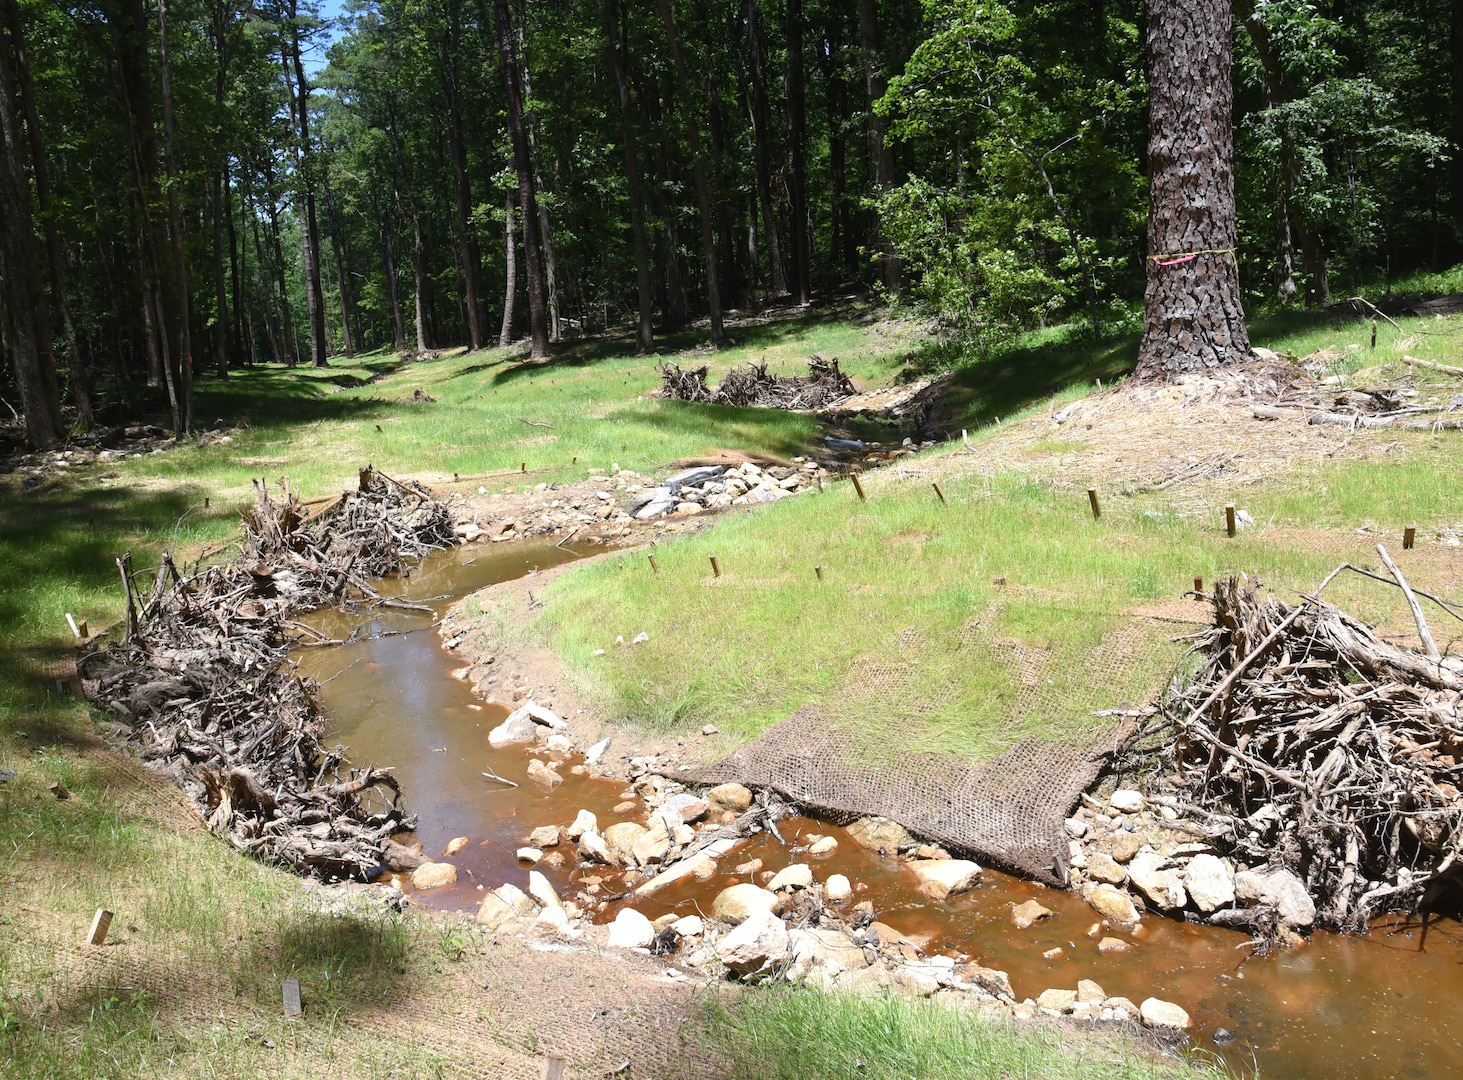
(826, 845)
(1157, 1013)
(1028, 914)
(737, 903)
(544, 836)
(543, 775)
(941, 878)
(879, 834)
(433, 875)
(1113, 903)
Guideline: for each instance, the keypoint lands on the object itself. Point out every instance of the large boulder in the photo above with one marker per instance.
(1209, 883)
(631, 930)
(1163, 887)
(1281, 890)
(620, 838)
(433, 875)
(733, 797)
(1113, 903)
(584, 822)
(517, 728)
(837, 887)
(796, 876)
(688, 807)
(504, 903)
(1164, 1015)
(941, 878)
(737, 903)
(1103, 867)
(879, 834)
(759, 941)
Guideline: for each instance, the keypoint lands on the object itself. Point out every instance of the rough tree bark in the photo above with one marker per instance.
(461, 186)
(510, 272)
(762, 151)
(299, 93)
(881, 154)
(698, 171)
(617, 36)
(1193, 318)
(797, 137)
(527, 200)
(175, 227)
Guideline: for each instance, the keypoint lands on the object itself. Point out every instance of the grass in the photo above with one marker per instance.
(806, 1034)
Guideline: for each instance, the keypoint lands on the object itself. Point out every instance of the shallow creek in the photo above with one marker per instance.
(1337, 1007)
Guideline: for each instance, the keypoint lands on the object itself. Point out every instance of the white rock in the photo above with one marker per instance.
(940, 878)
(1127, 800)
(736, 903)
(826, 846)
(504, 903)
(1076, 827)
(1113, 903)
(631, 930)
(688, 807)
(1163, 888)
(689, 926)
(1157, 1013)
(555, 917)
(584, 822)
(796, 876)
(546, 717)
(593, 847)
(760, 940)
(1282, 890)
(596, 752)
(529, 854)
(433, 875)
(517, 728)
(544, 836)
(540, 889)
(558, 744)
(837, 888)
(1209, 883)
(620, 838)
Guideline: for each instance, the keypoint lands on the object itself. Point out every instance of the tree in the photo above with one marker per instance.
(616, 39)
(1193, 318)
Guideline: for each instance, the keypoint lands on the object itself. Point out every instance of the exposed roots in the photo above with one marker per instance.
(824, 385)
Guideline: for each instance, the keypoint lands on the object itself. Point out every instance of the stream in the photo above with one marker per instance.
(1339, 1006)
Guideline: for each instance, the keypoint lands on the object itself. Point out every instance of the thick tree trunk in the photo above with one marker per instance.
(698, 169)
(175, 227)
(881, 154)
(25, 302)
(299, 92)
(797, 138)
(1193, 318)
(420, 304)
(510, 273)
(527, 200)
(618, 38)
(762, 150)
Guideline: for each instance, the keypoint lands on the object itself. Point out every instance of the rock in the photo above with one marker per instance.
(664, 921)
(1281, 890)
(631, 930)
(1222, 1037)
(710, 729)
(1052, 954)
(837, 888)
(760, 940)
(620, 838)
(540, 889)
(918, 979)
(1103, 868)
(517, 728)
(689, 807)
(653, 503)
(558, 744)
(542, 716)
(584, 822)
(736, 903)
(704, 868)
(1113, 904)
(1122, 1005)
(1028, 914)
(504, 903)
(824, 846)
(796, 876)
(1157, 1013)
(1090, 992)
(991, 980)
(941, 878)
(654, 844)
(1209, 883)
(1056, 1001)
(879, 834)
(733, 797)
(1076, 827)
(433, 875)
(596, 752)
(750, 867)
(693, 477)
(831, 950)
(543, 775)
(593, 847)
(689, 926)
(624, 807)
(544, 836)
(529, 855)
(1113, 944)
(1126, 800)
(1125, 845)
(1163, 888)
(456, 844)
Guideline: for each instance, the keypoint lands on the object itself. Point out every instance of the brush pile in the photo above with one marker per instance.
(822, 386)
(1307, 743)
(202, 675)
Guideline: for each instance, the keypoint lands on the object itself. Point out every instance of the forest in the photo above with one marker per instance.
(194, 186)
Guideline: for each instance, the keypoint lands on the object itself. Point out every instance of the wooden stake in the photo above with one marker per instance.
(653, 568)
(819, 571)
(1199, 588)
(523, 466)
(819, 477)
(291, 990)
(206, 501)
(858, 487)
(101, 922)
(1374, 333)
(1092, 498)
(76, 630)
(1229, 518)
(1409, 534)
(554, 1067)
(940, 493)
(715, 566)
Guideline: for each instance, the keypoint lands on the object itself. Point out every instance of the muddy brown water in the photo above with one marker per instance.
(1360, 1007)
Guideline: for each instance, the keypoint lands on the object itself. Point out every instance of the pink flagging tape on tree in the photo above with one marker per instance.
(1188, 256)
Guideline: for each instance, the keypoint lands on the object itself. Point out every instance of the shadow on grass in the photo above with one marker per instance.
(777, 431)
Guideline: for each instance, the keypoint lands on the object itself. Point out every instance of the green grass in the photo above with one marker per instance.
(812, 1035)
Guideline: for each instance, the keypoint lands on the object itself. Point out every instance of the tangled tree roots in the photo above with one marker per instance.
(824, 385)
(1308, 742)
(202, 675)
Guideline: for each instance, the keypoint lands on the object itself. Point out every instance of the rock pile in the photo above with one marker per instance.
(712, 487)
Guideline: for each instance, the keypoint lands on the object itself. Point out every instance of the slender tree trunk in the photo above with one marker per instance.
(175, 225)
(287, 328)
(219, 30)
(467, 249)
(797, 138)
(698, 169)
(551, 265)
(236, 269)
(840, 239)
(527, 200)
(419, 280)
(1193, 319)
(393, 295)
(25, 302)
(762, 150)
(510, 272)
(299, 91)
(881, 154)
(1455, 127)
(266, 292)
(618, 37)
(342, 283)
(726, 257)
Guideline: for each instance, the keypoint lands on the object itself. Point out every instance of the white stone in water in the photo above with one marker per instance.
(827, 845)
(631, 930)
(796, 876)
(541, 890)
(940, 878)
(1209, 883)
(837, 888)
(597, 751)
(584, 822)
(735, 903)
(1157, 1013)
(433, 875)
(689, 926)
(529, 854)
